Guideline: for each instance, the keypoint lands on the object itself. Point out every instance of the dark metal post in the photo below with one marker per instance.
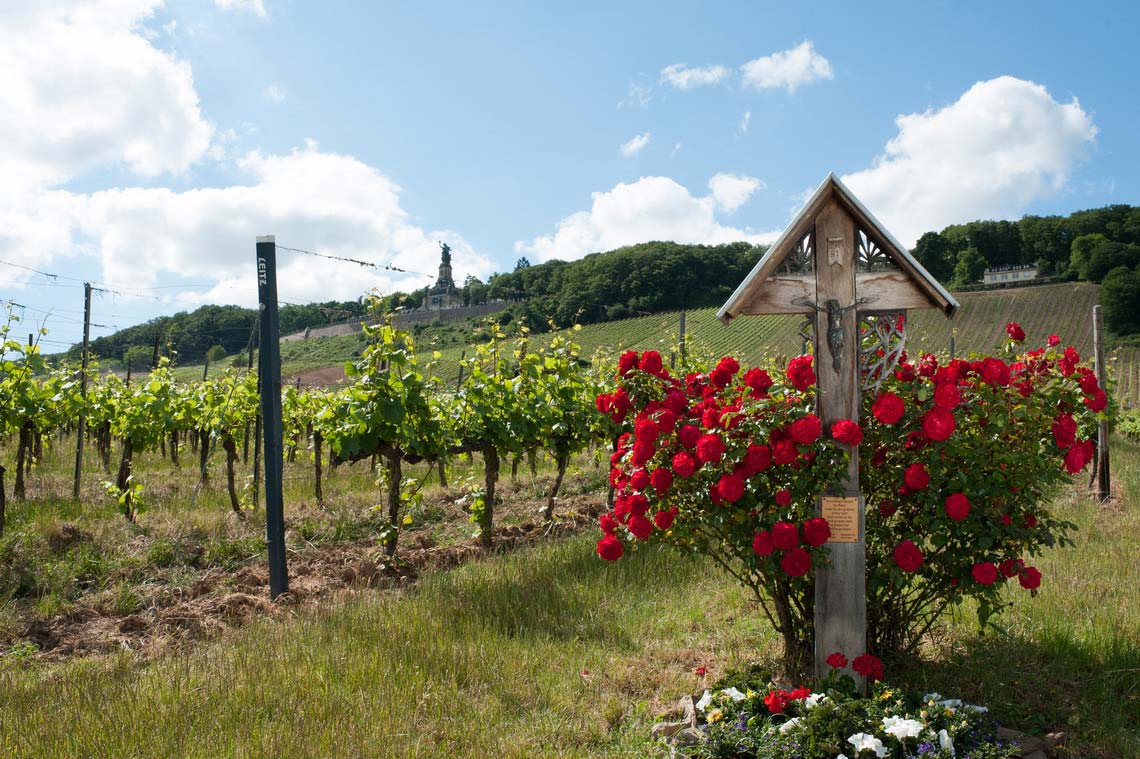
(683, 357)
(82, 423)
(951, 347)
(1103, 476)
(269, 370)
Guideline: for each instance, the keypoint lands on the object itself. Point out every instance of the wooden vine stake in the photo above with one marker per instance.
(854, 283)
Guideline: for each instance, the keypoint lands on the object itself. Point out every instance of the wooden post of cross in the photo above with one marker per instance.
(838, 266)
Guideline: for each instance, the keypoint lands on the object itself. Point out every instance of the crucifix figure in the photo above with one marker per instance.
(836, 337)
(835, 253)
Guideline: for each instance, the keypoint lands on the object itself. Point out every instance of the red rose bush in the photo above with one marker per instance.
(958, 462)
(729, 464)
(988, 442)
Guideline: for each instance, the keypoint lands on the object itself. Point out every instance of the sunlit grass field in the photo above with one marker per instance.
(550, 652)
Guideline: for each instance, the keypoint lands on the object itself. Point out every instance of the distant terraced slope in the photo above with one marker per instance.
(979, 326)
(1065, 309)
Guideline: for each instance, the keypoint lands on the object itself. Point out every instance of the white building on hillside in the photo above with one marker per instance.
(1000, 275)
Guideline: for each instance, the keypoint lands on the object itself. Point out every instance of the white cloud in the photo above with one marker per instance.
(639, 96)
(731, 191)
(81, 86)
(652, 208)
(685, 77)
(310, 199)
(788, 69)
(635, 144)
(276, 93)
(745, 121)
(676, 149)
(1003, 144)
(256, 7)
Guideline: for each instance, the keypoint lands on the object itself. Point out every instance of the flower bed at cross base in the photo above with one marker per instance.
(746, 716)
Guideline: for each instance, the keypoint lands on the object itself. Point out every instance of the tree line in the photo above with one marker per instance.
(216, 331)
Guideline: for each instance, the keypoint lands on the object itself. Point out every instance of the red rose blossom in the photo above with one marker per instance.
(757, 458)
(627, 362)
(608, 524)
(709, 448)
(1097, 402)
(664, 519)
(639, 479)
(805, 430)
(800, 373)
(661, 479)
(938, 424)
(730, 487)
(847, 432)
(957, 506)
(762, 544)
(1054, 341)
(796, 562)
(907, 556)
(785, 536)
(689, 435)
(984, 573)
(888, 408)
(868, 666)
(816, 531)
(1015, 332)
(947, 396)
(684, 465)
(784, 451)
(609, 548)
(1029, 578)
(1064, 431)
(783, 497)
(650, 362)
(916, 477)
(837, 660)
(758, 381)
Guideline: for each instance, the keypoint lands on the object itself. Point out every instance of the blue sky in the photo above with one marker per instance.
(153, 140)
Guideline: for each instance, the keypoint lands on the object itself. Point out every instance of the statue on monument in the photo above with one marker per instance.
(445, 252)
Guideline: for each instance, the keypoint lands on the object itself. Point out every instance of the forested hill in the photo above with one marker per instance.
(1097, 245)
(639, 279)
(1084, 245)
(223, 330)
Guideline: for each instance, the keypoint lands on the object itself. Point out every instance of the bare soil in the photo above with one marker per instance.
(179, 610)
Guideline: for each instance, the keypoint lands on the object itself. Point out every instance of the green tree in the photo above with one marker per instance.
(1120, 295)
(933, 252)
(1107, 256)
(969, 269)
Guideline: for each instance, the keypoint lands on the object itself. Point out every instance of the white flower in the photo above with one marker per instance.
(734, 694)
(951, 703)
(705, 701)
(945, 741)
(814, 700)
(789, 724)
(864, 742)
(901, 728)
(976, 708)
(841, 756)
(932, 697)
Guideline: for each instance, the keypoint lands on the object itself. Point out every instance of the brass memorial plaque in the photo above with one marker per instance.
(842, 515)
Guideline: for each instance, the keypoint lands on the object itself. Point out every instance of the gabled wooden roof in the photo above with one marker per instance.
(832, 189)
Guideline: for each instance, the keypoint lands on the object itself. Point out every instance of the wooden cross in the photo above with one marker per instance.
(837, 265)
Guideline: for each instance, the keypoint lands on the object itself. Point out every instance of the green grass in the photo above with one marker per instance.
(546, 652)
(550, 652)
